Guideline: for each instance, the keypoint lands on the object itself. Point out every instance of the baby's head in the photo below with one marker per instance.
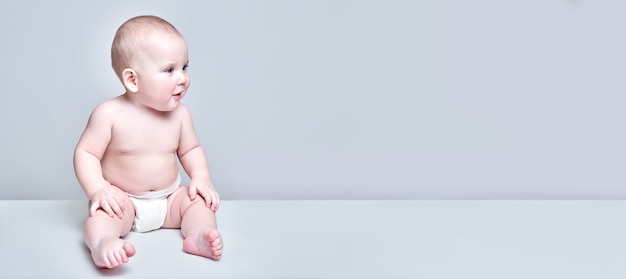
(132, 38)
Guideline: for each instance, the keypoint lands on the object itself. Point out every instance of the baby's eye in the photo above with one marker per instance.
(185, 67)
(169, 70)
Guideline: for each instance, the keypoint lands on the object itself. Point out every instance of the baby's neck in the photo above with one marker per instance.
(131, 99)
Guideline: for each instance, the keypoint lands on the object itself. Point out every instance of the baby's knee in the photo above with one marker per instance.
(186, 200)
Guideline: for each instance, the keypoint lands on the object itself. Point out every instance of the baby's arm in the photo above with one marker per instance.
(193, 159)
(87, 156)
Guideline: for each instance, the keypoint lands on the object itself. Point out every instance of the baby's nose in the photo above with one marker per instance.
(182, 78)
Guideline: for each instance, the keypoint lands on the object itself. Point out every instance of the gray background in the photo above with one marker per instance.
(428, 99)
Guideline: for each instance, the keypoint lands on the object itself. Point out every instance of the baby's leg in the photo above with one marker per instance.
(103, 237)
(199, 228)
(197, 223)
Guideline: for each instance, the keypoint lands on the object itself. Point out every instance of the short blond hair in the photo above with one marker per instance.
(131, 35)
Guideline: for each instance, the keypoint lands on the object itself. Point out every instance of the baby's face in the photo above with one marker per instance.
(162, 72)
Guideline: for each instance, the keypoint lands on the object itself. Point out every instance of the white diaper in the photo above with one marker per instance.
(150, 209)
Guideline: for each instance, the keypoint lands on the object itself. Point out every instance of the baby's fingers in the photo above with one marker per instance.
(112, 208)
(216, 201)
(117, 209)
(93, 207)
(107, 208)
(212, 199)
(193, 192)
(104, 205)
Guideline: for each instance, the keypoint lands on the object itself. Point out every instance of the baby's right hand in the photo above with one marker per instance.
(110, 199)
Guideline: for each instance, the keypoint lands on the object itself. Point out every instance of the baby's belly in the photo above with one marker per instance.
(139, 175)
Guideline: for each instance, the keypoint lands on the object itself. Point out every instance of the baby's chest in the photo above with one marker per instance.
(155, 136)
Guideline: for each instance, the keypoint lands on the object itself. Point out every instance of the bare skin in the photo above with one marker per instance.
(132, 145)
(108, 250)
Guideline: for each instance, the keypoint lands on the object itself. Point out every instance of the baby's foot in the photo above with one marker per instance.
(207, 244)
(111, 253)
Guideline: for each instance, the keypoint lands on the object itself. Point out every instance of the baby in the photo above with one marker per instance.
(126, 159)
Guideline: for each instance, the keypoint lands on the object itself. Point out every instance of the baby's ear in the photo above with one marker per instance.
(129, 78)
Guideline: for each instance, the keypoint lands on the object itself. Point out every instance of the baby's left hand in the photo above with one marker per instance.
(207, 192)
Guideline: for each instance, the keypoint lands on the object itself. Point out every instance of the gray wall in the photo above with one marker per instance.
(422, 99)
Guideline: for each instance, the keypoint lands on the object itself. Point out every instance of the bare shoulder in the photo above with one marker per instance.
(109, 106)
(182, 112)
(107, 110)
(97, 134)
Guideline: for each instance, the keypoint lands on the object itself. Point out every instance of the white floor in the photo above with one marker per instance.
(340, 239)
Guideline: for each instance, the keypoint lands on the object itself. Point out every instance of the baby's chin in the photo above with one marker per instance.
(169, 108)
